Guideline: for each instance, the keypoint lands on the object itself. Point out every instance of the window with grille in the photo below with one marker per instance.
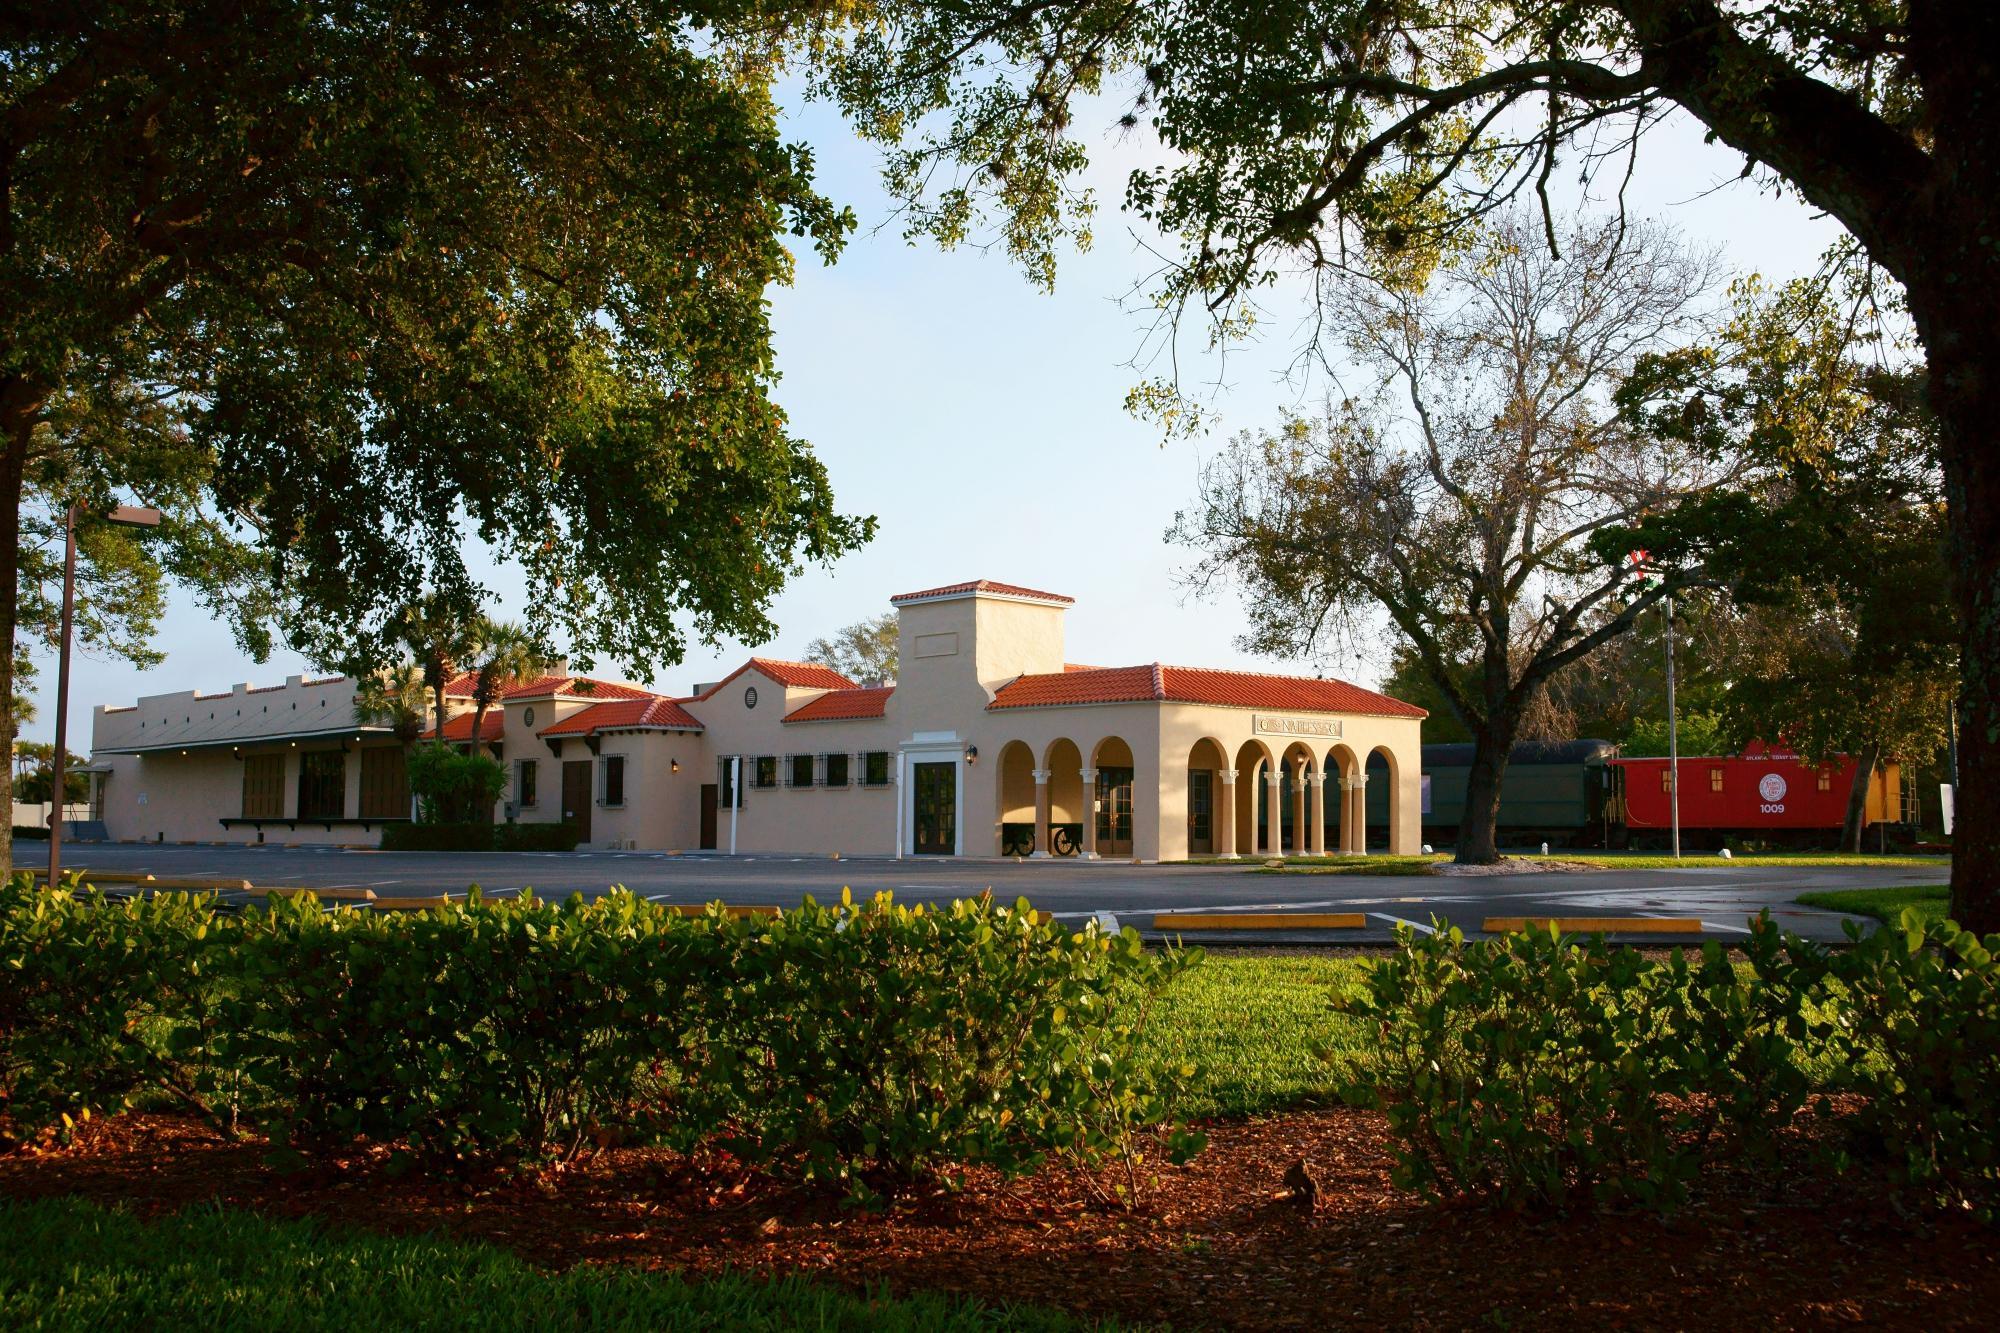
(726, 791)
(764, 771)
(264, 786)
(614, 779)
(526, 781)
(836, 770)
(802, 770)
(385, 783)
(323, 784)
(875, 768)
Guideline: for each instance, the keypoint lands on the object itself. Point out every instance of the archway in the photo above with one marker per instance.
(1253, 764)
(1296, 800)
(1342, 824)
(1211, 823)
(1385, 800)
(1016, 816)
(1110, 832)
(1064, 763)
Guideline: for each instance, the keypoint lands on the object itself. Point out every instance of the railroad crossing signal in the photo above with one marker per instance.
(1641, 564)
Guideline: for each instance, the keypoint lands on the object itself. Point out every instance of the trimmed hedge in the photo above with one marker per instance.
(1545, 1069)
(479, 838)
(848, 1042)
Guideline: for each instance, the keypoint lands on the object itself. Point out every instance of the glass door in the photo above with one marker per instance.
(1114, 812)
(935, 806)
(1201, 813)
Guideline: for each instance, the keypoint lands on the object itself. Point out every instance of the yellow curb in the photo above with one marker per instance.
(198, 884)
(333, 893)
(1584, 925)
(1260, 921)
(102, 877)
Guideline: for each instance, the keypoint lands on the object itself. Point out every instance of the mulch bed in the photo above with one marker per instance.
(1216, 1244)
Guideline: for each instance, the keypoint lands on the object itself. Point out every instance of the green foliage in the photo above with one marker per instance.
(100, 1001)
(910, 1037)
(479, 838)
(865, 651)
(1920, 1029)
(1541, 1069)
(38, 781)
(454, 788)
(70, 1266)
(1700, 733)
(854, 1043)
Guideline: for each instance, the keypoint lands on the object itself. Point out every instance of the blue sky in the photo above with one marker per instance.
(981, 421)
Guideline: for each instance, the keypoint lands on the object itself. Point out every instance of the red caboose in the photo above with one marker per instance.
(1762, 792)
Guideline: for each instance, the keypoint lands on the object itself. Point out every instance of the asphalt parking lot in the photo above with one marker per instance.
(1721, 898)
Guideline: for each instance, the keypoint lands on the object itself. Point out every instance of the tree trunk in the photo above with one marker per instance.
(1857, 796)
(1951, 279)
(17, 424)
(1492, 742)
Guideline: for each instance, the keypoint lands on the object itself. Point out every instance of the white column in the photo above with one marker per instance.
(1317, 841)
(1299, 815)
(1225, 837)
(1274, 796)
(900, 759)
(1357, 808)
(1041, 848)
(1089, 776)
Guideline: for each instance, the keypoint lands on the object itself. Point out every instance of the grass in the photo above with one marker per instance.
(1251, 1026)
(69, 1265)
(1885, 905)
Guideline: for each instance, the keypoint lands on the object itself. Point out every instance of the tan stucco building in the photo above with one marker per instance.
(989, 744)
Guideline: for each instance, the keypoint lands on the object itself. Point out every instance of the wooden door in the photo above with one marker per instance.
(935, 805)
(1114, 811)
(576, 796)
(711, 798)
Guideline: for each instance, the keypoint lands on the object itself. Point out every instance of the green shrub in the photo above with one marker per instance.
(496, 1032)
(535, 837)
(454, 788)
(834, 1043)
(31, 832)
(902, 1038)
(1919, 1024)
(100, 1001)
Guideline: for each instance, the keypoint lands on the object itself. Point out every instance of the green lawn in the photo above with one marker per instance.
(1250, 1025)
(69, 1265)
(1885, 905)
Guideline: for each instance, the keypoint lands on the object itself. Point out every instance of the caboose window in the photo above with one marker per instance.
(1666, 779)
(1715, 779)
(1825, 780)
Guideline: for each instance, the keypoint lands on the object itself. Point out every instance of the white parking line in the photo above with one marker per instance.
(1405, 921)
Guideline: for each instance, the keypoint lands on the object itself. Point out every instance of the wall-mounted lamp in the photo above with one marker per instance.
(972, 754)
(673, 765)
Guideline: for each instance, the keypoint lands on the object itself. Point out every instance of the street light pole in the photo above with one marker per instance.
(1673, 735)
(131, 516)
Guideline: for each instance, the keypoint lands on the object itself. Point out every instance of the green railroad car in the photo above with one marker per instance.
(1563, 793)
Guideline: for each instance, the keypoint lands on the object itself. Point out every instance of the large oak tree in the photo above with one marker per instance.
(1298, 128)
(400, 268)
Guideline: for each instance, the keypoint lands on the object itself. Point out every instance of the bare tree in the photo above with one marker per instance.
(1477, 493)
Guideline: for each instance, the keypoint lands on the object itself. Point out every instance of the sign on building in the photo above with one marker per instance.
(1297, 726)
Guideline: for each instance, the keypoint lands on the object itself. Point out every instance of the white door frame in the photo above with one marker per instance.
(930, 747)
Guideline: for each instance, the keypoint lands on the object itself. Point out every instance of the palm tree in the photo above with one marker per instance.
(505, 656)
(441, 641)
(394, 699)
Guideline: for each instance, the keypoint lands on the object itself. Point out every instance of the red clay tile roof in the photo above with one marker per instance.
(792, 675)
(458, 730)
(651, 712)
(842, 705)
(1193, 685)
(981, 585)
